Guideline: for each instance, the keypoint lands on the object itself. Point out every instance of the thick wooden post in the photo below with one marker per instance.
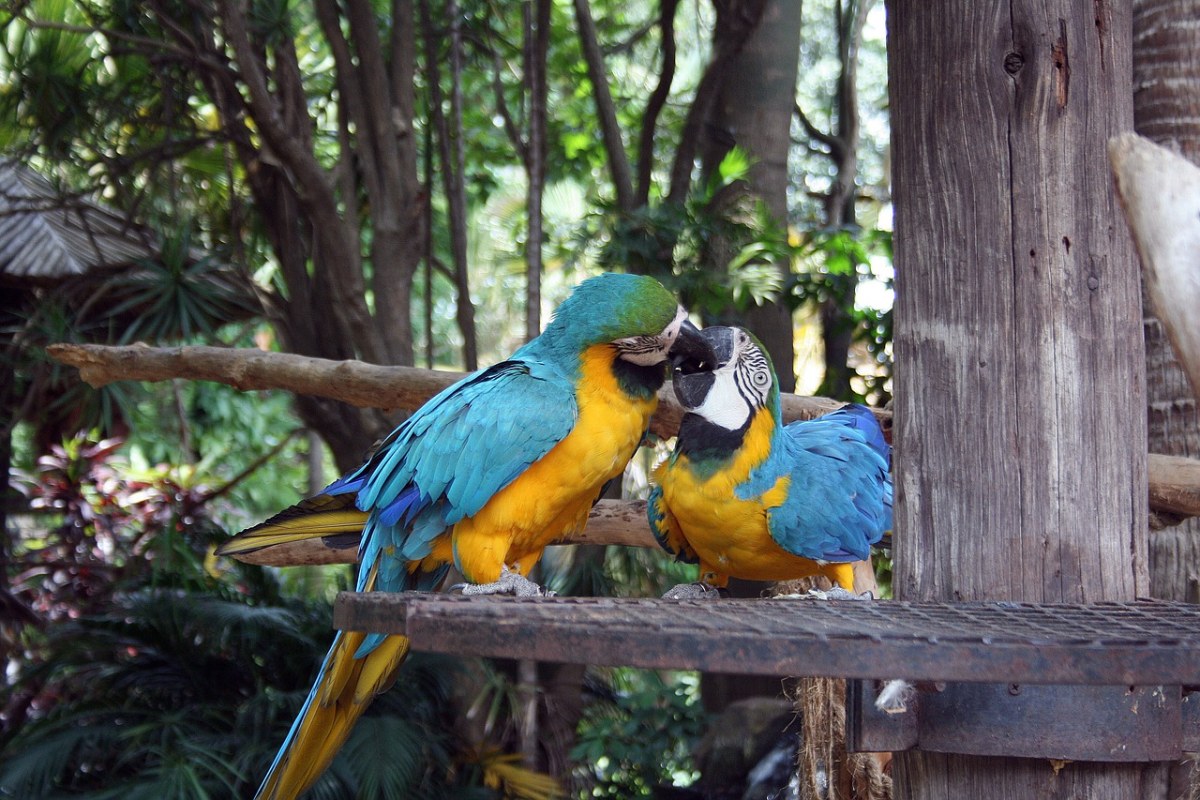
(1020, 424)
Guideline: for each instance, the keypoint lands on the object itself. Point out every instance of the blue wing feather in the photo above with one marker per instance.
(840, 498)
(446, 461)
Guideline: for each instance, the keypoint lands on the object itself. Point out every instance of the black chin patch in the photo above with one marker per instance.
(637, 380)
(701, 440)
(692, 387)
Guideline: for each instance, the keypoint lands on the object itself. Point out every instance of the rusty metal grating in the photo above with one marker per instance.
(1137, 643)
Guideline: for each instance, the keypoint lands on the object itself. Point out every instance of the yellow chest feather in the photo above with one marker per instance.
(554, 495)
(730, 534)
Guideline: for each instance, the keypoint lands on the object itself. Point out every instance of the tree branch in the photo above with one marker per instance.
(353, 382)
(1174, 481)
(510, 126)
(834, 144)
(610, 129)
(658, 99)
(735, 22)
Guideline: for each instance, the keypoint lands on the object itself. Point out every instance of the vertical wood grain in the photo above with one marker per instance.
(1020, 399)
(1017, 304)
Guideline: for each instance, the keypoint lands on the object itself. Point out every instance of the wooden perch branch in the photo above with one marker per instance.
(611, 522)
(1174, 481)
(353, 382)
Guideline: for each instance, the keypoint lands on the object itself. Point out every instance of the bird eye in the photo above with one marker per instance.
(762, 379)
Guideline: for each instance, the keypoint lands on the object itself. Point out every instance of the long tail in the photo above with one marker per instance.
(344, 688)
(332, 518)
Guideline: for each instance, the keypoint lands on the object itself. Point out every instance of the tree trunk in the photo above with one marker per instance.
(606, 110)
(837, 324)
(755, 110)
(537, 45)
(1017, 298)
(312, 213)
(450, 152)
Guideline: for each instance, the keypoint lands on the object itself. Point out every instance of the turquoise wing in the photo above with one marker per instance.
(840, 497)
(450, 457)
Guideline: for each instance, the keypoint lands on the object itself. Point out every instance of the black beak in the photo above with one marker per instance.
(693, 375)
(692, 351)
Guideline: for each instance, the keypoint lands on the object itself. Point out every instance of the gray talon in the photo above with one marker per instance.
(838, 593)
(697, 590)
(510, 582)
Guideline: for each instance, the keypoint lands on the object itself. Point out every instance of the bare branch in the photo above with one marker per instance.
(835, 145)
(657, 100)
(1174, 481)
(610, 130)
(620, 522)
(510, 127)
(354, 382)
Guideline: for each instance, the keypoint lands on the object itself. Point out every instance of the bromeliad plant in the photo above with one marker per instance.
(108, 528)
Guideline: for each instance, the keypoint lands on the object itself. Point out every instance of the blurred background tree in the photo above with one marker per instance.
(405, 182)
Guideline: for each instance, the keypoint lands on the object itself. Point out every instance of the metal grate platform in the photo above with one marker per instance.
(1139, 643)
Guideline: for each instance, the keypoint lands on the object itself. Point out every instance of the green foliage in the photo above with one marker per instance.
(676, 242)
(130, 111)
(222, 433)
(110, 529)
(166, 677)
(181, 294)
(641, 739)
(186, 695)
(834, 263)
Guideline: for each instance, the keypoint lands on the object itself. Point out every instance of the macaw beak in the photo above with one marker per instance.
(696, 362)
(691, 350)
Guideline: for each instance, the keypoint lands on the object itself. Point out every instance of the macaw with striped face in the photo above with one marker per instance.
(483, 476)
(748, 497)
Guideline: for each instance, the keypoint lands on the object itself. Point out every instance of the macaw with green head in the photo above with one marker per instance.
(483, 476)
(748, 497)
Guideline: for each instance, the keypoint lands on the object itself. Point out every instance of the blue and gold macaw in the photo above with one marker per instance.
(483, 476)
(748, 497)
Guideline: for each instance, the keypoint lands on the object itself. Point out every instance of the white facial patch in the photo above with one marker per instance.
(740, 385)
(724, 404)
(646, 351)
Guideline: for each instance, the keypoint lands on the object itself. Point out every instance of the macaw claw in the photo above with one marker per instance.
(837, 593)
(510, 582)
(697, 590)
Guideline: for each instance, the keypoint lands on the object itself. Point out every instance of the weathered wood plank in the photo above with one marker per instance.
(1103, 644)
(1020, 401)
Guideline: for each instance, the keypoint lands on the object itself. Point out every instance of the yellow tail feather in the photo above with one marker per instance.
(328, 716)
(312, 518)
